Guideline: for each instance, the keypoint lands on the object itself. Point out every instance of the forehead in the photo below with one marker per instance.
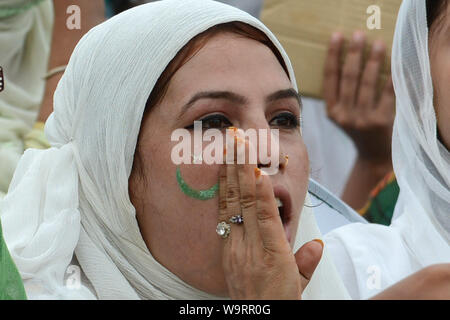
(231, 62)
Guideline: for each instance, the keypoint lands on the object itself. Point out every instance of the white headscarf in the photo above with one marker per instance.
(372, 257)
(74, 196)
(25, 34)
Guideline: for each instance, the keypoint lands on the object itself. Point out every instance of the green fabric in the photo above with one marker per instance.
(382, 206)
(11, 286)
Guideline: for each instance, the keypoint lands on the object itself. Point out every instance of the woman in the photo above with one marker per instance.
(108, 197)
(371, 257)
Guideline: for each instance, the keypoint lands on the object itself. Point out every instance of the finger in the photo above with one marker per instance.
(369, 79)
(351, 71)
(386, 105)
(269, 221)
(233, 194)
(308, 258)
(247, 188)
(331, 71)
(222, 193)
(223, 213)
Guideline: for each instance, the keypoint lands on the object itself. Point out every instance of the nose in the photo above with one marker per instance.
(268, 149)
(281, 160)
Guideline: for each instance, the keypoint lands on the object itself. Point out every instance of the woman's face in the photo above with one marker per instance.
(180, 230)
(439, 46)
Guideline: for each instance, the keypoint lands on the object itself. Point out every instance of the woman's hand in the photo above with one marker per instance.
(257, 259)
(353, 104)
(351, 97)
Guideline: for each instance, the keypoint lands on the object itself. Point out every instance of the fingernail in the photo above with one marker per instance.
(358, 36)
(378, 46)
(319, 241)
(257, 173)
(232, 130)
(335, 37)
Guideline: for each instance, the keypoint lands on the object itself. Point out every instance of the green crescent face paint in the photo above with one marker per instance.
(196, 194)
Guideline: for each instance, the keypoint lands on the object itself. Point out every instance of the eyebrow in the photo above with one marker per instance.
(239, 99)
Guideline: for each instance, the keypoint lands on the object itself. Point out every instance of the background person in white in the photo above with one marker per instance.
(419, 235)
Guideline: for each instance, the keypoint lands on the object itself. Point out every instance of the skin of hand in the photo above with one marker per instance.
(257, 257)
(430, 283)
(350, 94)
(64, 41)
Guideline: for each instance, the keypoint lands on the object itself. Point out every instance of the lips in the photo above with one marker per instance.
(284, 204)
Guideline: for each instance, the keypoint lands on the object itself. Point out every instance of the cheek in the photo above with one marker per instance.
(181, 228)
(440, 72)
(169, 196)
(443, 93)
(297, 174)
(298, 162)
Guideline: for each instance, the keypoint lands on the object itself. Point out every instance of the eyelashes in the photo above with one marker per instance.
(214, 121)
(286, 120)
(283, 120)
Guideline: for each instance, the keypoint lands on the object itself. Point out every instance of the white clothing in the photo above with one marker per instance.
(24, 50)
(372, 257)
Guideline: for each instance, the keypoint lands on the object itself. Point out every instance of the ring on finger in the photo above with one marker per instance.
(237, 219)
(223, 229)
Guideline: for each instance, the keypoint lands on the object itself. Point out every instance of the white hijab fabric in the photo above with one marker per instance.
(372, 257)
(24, 51)
(74, 196)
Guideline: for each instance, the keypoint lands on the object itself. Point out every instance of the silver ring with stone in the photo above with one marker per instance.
(237, 219)
(223, 229)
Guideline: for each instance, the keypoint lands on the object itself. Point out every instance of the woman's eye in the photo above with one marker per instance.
(285, 120)
(215, 121)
